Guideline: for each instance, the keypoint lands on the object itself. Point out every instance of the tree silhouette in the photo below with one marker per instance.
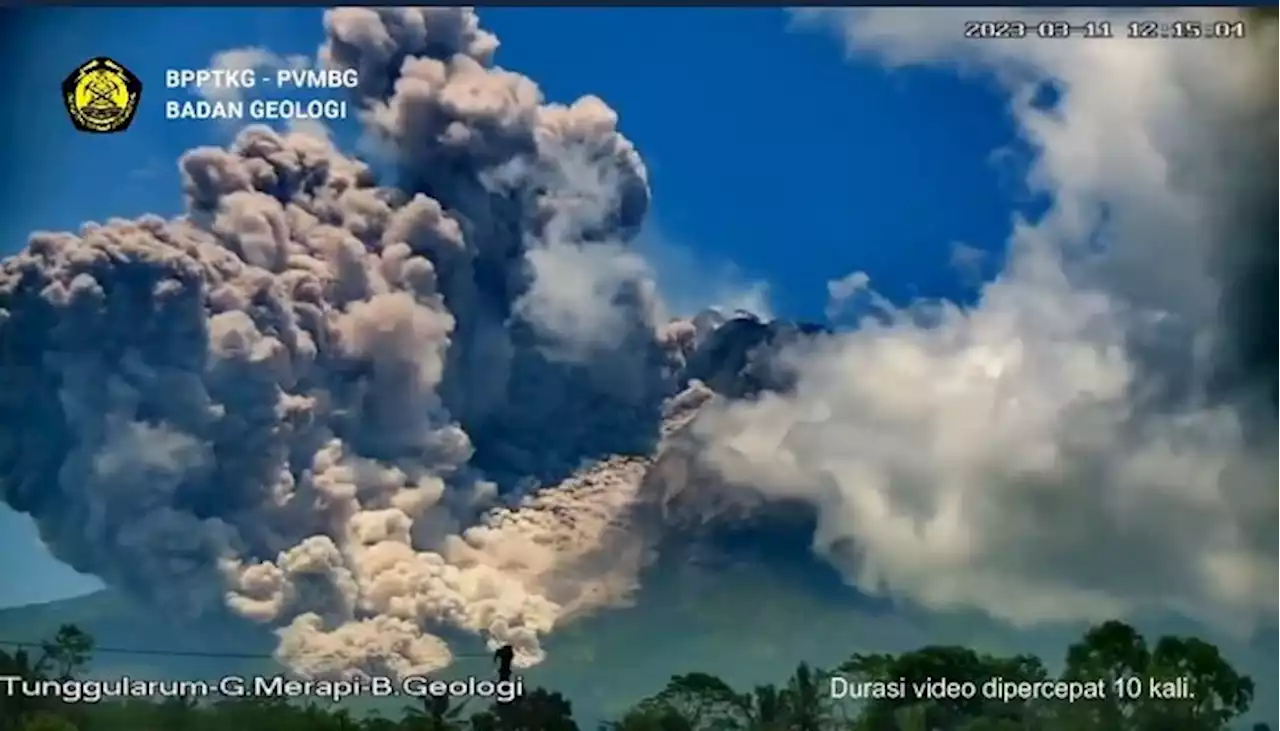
(1113, 653)
(437, 713)
(768, 709)
(697, 702)
(805, 700)
(1117, 654)
(60, 659)
(66, 654)
(504, 656)
(537, 710)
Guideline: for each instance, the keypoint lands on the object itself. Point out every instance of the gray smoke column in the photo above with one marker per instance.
(285, 400)
(528, 183)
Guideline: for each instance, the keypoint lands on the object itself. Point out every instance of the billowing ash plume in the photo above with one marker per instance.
(321, 402)
(294, 399)
(1097, 434)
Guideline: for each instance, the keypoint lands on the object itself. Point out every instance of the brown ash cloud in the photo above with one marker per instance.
(297, 398)
(319, 401)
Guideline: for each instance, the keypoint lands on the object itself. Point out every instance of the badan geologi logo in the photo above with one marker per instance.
(101, 96)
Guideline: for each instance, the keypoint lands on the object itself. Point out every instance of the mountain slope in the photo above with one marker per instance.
(688, 617)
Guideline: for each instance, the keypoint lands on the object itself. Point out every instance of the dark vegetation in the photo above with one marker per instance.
(701, 702)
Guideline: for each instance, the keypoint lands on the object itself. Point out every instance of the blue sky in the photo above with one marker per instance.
(766, 148)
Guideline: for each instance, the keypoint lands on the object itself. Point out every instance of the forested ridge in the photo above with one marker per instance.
(1215, 697)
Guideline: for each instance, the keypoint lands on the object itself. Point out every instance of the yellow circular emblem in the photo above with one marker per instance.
(101, 96)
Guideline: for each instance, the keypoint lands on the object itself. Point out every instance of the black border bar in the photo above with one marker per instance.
(35, 4)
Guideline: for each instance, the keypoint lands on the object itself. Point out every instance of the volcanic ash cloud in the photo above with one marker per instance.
(283, 401)
(1096, 435)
